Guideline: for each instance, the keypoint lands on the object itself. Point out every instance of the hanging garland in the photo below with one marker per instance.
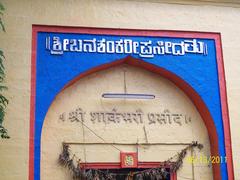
(159, 173)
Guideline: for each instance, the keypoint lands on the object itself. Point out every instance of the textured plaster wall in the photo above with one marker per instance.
(86, 94)
(16, 43)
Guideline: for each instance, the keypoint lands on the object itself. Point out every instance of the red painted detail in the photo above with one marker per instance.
(32, 105)
(174, 176)
(96, 69)
(128, 159)
(224, 104)
(126, 32)
(117, 165)
(206, 116)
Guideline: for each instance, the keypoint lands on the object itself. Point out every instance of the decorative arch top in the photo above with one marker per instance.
(191, 60)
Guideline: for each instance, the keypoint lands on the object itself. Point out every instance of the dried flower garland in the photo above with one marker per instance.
(158, 173)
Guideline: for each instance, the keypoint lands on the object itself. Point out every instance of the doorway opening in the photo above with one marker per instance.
(136, 174)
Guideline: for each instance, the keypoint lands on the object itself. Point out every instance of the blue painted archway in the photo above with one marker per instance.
(197, 72)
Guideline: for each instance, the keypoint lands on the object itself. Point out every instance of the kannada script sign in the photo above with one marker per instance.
(147, 49)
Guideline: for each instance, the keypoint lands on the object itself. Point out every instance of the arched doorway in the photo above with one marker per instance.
(86, 95)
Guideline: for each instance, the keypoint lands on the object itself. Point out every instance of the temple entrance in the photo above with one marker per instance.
(97, 128)
(134, 174)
